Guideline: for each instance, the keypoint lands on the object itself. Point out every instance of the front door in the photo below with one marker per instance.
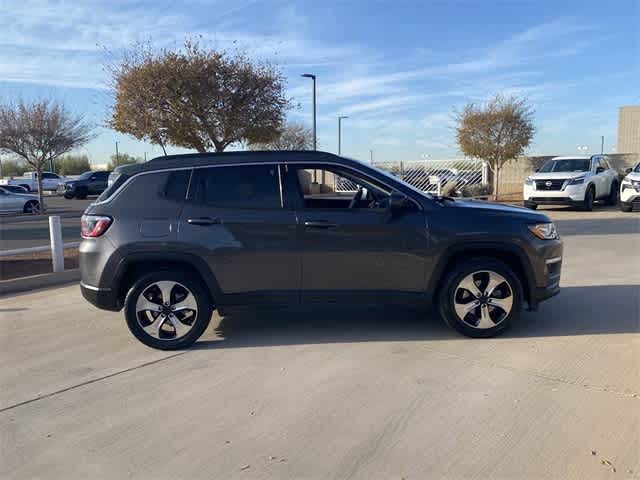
(353, 249)
(234, 217)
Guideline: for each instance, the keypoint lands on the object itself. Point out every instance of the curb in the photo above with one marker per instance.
(36, 282)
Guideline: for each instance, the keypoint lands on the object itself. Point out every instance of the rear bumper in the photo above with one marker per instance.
(103, 298)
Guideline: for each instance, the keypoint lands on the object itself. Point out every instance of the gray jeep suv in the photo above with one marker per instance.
(172, 239)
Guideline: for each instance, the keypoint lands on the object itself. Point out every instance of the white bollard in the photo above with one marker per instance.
(57, 248)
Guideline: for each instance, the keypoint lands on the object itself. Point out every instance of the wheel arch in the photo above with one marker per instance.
(511, 255)
(134, 265)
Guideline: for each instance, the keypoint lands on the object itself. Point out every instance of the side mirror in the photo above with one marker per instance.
(628, 170)
(599, 170)
(537, 170)
(397, 201)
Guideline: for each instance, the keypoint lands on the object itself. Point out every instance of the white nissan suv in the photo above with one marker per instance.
(576, 181)
(630, 190)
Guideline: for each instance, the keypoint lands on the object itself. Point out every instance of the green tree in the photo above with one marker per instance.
(72, 165)
(122, 159)
(497, 131)
(12, 168)
(196, 98)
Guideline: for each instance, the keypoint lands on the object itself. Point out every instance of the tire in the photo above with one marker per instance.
(32, 206)
(612, 199)
(146, 292)
(26, 187)
(453, 297)
(589, 198)
(530, 205)
(68, 196)
(625, 208)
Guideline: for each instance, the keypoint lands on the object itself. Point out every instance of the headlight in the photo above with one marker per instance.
(576, 181)
(70, 185)
(528, 181)
(544, 231)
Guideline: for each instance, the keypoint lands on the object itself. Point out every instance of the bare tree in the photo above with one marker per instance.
(196, 98)
(293, 136)
(497, 131)
(39, 132)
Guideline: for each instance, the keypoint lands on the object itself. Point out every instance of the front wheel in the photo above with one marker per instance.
(589, 198)
(625, 207)
(531, 205)
(167, 310)
(32, 206)
(68, 196)
(480, 298)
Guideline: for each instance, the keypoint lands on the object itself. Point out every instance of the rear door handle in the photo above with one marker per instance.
(204, 221)
(320, 224)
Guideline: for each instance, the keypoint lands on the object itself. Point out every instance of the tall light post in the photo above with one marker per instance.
(313, 77)
(117, 155)
(371, 156)
(340, 117)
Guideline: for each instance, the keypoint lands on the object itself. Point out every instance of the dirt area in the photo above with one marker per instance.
(34, 264)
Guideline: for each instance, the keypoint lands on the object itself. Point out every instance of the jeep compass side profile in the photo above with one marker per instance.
(172, 239)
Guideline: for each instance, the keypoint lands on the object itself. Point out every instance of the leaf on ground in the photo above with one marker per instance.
(244, 467)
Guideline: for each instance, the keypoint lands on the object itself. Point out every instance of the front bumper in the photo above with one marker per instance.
(569, 195)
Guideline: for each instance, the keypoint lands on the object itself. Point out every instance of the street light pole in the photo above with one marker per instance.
(371, 156)
(117, 155)
(340, 132)
(601, 144)
(315, 138)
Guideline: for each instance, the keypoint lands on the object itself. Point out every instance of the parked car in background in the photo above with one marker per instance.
(226, 230)
(15, 188)
(89, 183)
(576, 181)
(50, 181)
(11, 202)
(630, 190)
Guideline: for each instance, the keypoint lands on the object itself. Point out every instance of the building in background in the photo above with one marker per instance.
(629, 129)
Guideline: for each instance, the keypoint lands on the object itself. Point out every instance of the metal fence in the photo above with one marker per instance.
(434, 176)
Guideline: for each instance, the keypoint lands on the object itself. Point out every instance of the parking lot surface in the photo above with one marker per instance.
(337, 393)
(24, 231)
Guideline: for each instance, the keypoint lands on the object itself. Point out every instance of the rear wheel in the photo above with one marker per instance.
(612, 199)
(32, 206)
(589, 198)
(625, 207)
(480, 297)
(167, 310)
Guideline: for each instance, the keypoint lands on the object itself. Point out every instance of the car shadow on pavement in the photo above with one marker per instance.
(588, 310)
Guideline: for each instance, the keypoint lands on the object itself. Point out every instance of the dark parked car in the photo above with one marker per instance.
(89, 183)
(174, 238)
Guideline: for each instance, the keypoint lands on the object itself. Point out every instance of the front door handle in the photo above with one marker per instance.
(204, 221)
(320, 224)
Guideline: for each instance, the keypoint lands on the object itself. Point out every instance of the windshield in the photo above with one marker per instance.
(85, 175)
(567, 165)
(637, 169)
(394, 177)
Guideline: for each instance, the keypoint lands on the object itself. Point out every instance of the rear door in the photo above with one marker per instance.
(600, 179)
(234, 217)
(356, 252)
(97, 183)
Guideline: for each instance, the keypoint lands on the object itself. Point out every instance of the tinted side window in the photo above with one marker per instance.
(49, 175)
(177, 183)
(250, 186)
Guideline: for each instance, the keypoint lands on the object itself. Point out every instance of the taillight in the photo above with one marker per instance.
(92, 226)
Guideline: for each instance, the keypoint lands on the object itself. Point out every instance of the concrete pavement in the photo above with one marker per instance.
(339, 393)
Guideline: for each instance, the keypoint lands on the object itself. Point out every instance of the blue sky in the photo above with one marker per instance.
(397, 68)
